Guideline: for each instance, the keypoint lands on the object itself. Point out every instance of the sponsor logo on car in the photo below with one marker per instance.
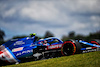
(17, 49)
(54, 46)
(24, 52)
(19, 43)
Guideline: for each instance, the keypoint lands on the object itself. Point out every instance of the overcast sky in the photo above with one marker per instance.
(22, 17)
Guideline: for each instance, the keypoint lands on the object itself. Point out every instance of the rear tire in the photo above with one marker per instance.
(70, 47)
(95, 41)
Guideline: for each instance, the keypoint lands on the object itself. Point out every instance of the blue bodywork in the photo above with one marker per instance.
(24, 43)
(21, 48)
(89, 44)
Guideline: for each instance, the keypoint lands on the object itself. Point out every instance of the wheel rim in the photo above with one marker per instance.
(68, 49)
(71, 48)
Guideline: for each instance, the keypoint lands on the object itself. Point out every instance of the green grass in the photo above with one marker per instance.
(91, 59)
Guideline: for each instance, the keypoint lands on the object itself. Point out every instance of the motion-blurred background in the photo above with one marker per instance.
(64, 19)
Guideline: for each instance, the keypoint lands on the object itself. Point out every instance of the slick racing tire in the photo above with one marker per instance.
(70, 47)
(95, 41)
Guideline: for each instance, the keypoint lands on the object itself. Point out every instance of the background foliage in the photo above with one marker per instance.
(71, 35)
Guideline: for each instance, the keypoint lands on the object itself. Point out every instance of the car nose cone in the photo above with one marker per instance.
(6, 55)
(1, 52)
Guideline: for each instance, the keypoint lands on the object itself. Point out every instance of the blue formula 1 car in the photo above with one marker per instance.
(17, 50)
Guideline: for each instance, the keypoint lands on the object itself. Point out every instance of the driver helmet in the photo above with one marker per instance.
(33, 34)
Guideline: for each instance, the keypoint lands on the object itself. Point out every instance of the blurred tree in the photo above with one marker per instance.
(79, 37)
(64, 38)
(16, 37)
(48, 34)
(95, 35)
(89, 37)
(2, 34)
(71, 34)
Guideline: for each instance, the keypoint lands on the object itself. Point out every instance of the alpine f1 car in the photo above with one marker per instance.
(17, 50)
